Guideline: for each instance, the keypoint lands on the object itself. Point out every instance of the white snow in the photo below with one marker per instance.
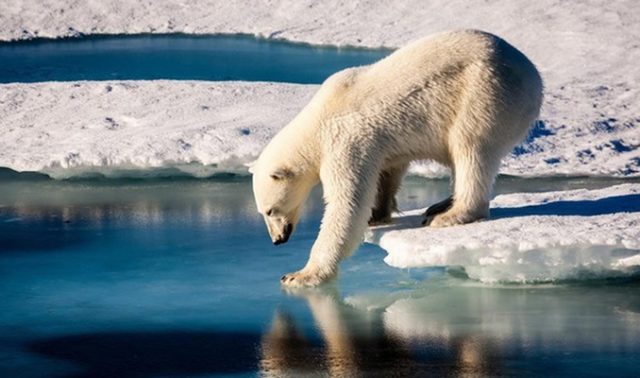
(531, 237)
(201, 128)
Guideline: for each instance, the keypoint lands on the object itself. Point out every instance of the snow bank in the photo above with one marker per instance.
(118, 128)
(531, 237)
(201, 128)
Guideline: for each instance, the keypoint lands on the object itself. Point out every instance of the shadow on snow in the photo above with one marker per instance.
(629, 203)
(618, 204)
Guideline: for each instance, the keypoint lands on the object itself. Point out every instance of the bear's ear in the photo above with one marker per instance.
(250, 166)
(282, 174)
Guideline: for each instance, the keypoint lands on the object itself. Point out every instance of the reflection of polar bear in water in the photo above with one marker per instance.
(462, 98)
(360, 343)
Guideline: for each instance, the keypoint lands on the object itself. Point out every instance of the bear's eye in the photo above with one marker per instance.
(269, 212)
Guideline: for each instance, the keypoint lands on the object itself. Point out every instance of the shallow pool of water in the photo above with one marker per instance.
(175, 56)
(146, 278)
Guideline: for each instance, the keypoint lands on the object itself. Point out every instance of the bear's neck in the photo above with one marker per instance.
(299, 141)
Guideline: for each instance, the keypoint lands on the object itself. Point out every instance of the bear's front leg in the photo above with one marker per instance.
(323, 260)
(339, 235)
(349, 186)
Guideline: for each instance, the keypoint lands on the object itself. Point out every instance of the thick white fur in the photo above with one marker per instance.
(462, 98)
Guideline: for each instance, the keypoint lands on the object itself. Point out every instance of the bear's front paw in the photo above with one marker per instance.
(304, 277)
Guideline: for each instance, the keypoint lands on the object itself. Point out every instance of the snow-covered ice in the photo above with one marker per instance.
(531, 237)
(116, 128)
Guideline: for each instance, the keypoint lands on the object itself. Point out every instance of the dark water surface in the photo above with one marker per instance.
(175, 56)
(148, 278)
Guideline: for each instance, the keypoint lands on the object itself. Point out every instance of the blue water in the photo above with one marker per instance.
(175, 56)
(149, 278)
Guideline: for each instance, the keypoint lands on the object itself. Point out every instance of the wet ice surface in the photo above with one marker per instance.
(178, 278)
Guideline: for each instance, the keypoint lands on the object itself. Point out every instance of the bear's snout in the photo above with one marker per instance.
(284, 237)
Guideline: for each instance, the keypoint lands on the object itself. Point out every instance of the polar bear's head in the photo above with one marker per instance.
(280, 192)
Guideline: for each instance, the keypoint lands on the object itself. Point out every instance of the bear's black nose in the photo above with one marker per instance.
(284, 237)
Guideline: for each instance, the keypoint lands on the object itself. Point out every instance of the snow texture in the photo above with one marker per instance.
(586, 51)
(123, 128)
(531, 237)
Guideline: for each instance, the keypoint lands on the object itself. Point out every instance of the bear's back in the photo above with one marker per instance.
(445, 54)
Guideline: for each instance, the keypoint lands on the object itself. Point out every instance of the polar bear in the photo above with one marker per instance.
(461, 98)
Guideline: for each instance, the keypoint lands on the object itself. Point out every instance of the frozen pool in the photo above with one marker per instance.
(146, 278)
(175, 56)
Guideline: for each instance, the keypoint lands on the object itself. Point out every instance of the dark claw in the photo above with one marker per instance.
(438, 208)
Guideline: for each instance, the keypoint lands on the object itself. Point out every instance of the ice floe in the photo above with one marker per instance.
(531, 237)
(136, 127)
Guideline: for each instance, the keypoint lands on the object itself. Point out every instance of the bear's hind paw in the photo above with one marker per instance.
(452, 218)
(380, 222)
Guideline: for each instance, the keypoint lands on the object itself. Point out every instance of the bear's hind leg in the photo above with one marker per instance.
(388, 185)
(474, 176)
